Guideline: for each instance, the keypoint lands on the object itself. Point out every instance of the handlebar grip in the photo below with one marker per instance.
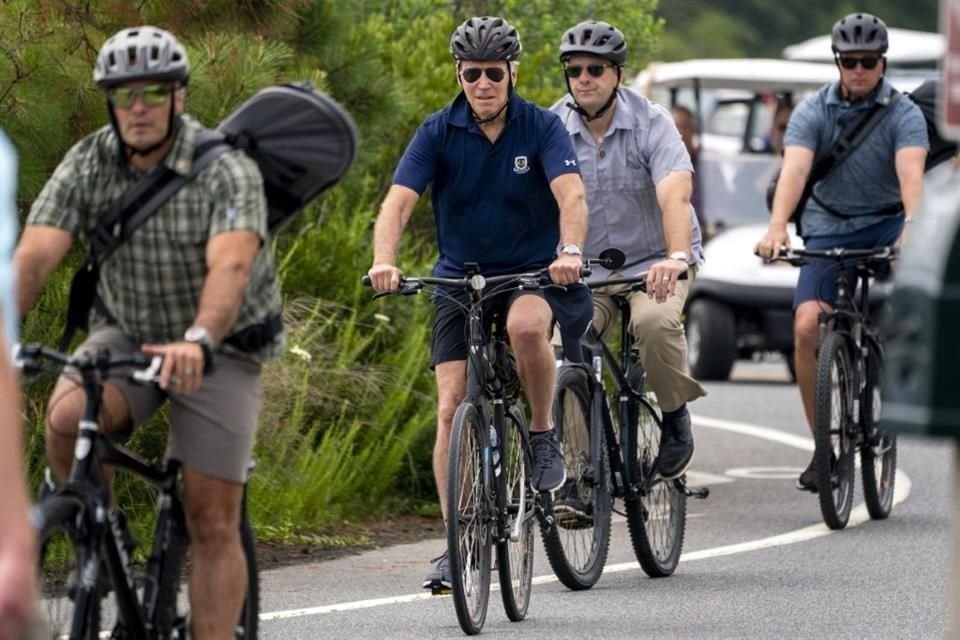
(365, 281)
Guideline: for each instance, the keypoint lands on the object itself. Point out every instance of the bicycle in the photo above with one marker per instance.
(490, 498)
(77, 519)
(848, 379)
(612, 454)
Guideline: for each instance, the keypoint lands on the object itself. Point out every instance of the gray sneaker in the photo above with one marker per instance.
(549, 472)
(439, 580)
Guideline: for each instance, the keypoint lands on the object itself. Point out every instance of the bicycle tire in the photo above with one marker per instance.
(515, 557)
(878, 452)
(170, 616)
(578, 542)
(58, 520)
(469, 542)
(834, 446)
(657, 518)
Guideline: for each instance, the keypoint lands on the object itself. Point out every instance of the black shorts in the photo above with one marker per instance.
(449, 340)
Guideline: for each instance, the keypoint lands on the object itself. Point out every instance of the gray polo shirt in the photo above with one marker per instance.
(867, 180)
(641, 147)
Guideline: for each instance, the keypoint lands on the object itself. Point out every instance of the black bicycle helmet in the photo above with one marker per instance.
(859, 32)
(485, 38)
(594, 38)
(141, 53)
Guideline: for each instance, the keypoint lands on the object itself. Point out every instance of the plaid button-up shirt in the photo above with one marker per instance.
(152, 282)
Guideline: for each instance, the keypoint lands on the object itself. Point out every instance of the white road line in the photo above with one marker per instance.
(858, 516)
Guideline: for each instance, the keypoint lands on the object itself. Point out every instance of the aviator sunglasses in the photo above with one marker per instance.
(596, 70)
(494, 74)
(867, 62)
(153, 95)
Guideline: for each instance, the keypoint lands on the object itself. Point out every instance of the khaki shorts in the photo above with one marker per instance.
(212, 430)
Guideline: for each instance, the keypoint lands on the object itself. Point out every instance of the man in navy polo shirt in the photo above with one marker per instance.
(864, 202)
(506, 193)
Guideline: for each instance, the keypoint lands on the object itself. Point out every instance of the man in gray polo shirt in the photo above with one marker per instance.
(638, 177)
(863, 202)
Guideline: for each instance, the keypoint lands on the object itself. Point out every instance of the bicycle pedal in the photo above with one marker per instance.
(700, 494)
(440, 590)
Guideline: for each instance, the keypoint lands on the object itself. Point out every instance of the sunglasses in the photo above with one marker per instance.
(867, 62)
(596, 70)
(153, 95)
(494, 74)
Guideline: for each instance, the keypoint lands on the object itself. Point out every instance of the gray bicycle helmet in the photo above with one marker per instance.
(859, 32)
(485, 38)
(141, 53)
(594, 38)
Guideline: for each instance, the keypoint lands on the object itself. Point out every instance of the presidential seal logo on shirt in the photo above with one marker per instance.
(520, 165)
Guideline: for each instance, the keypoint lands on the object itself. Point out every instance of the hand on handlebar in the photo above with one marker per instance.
(773, 243)
(384, 277)
(662, 279)
(566, 269)
(182, 365)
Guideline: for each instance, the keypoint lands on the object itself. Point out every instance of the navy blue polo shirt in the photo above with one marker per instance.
(492, 201)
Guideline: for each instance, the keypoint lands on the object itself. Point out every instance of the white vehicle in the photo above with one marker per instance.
(738, 306)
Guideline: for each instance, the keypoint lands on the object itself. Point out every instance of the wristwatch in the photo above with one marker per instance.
(571, 250)
(680, 255)
(199, 335)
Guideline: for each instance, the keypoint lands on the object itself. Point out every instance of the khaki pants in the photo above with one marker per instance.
(659, 336)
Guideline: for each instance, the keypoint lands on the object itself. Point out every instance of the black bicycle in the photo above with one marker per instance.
(83, 537)
(490, 498)
(612, 454)
(849, 372)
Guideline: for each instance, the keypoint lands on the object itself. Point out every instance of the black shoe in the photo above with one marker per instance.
(808, 479)
(676, 446)
(570, 510)
(439, 580)
(549, 472)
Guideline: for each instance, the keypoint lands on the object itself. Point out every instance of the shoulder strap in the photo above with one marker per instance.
(127, 214)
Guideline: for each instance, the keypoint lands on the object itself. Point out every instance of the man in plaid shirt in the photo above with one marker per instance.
(188, 283)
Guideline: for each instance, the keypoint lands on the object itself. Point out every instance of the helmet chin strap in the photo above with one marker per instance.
(586, 115)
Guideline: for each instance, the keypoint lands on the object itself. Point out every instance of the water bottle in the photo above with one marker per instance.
(494, 451)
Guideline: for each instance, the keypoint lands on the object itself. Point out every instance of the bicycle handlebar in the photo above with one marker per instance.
(637, 282)
(36, 358)
(798, 257)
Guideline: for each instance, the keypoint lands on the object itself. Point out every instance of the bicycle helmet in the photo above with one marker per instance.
(485, 38)
(859, 32)
(594, 38)
(141, 53)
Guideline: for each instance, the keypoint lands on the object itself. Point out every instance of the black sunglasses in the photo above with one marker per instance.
(494, 74)
(596, 70)
(867, 62)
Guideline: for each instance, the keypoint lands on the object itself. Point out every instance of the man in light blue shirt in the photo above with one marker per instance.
(638, 178)
(864, 202)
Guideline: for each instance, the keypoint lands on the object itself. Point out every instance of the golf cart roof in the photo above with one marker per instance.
(907, 47)
(747, 74)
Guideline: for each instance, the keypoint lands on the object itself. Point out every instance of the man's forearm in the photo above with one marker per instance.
(573, 220)
(220, 300)
(677, 226)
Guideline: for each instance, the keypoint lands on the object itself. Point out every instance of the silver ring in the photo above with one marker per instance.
(665, 278)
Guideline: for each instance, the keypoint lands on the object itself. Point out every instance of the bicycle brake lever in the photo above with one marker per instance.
(148, 375)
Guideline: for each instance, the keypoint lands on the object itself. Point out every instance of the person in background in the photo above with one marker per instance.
(687, 126)
(17, 540)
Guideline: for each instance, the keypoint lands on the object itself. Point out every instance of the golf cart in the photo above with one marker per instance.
(738, 306)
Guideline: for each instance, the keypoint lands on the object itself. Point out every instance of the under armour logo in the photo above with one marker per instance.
(569, 163)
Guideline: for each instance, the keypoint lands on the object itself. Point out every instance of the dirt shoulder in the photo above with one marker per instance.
(350, 540)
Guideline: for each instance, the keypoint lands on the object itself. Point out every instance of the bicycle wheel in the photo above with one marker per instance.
(578, 543)
(68, 609)
(468, 519)
(657, 518)
(515, 552)
(169, 552)
(878, 452)
(835, 448)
